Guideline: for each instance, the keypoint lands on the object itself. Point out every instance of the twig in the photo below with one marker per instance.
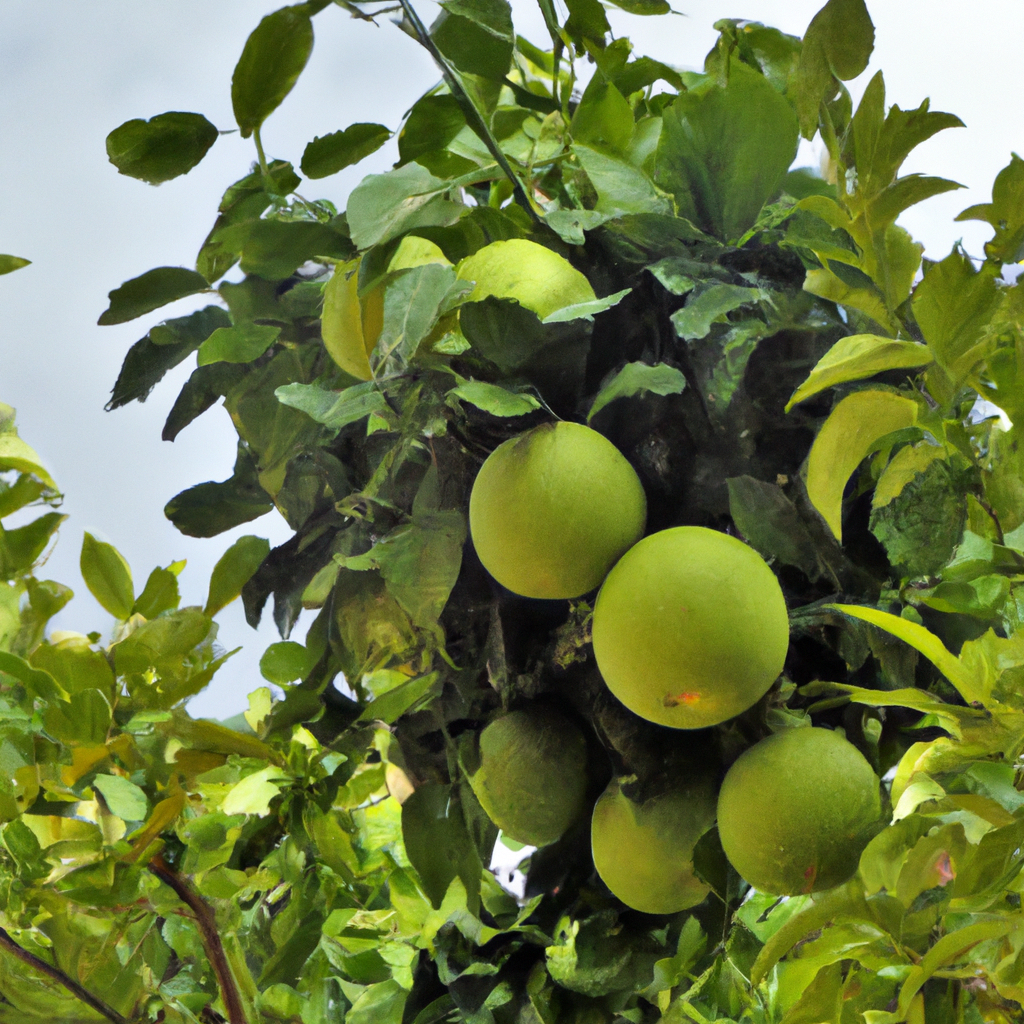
(473, 116)
(207, 923)
(61, 978)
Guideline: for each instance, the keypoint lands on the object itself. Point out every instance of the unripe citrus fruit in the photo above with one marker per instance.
(553, 509)
(690, 628)
(796, 810)
(644, 852)
(532, 774)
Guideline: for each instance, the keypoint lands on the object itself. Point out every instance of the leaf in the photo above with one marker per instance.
(272, 59)
(856, 357)
(709, 305)
(275, 249)
(531, 274)
(771, 523)
(476, 36)
(1005, 213)
(851, 432)
(724, 150)
(585, 310)
(199, 393)
(16, 454)
(233, 570)
(254, 793)
(285, 662)
(603, 120)
(20, 548)
(161, 148)
(637, 378)
(241, 344)
(38, 682)
(334, 409)
(107, 576)
(123, 797)
(332, 153)
(495, 400)
(150, 291)
(380, 1003)
(432, 124)
(8, 263)
(341, 325)
(621, 187)
(160, 594)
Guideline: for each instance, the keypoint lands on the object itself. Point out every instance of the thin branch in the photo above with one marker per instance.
(57, 975)
(207, 922)
(473, 116)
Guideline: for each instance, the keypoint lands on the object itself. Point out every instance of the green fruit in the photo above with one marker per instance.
(553, 509)
(690, 628)
(644, 852)
(796, 810)
(532, 775)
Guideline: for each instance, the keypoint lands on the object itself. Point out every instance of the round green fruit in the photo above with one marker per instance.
(690, 628)
(796, 810)
(532, 774)
(644, 852)
(553, 509)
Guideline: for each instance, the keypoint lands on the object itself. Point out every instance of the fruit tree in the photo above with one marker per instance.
(654, 504)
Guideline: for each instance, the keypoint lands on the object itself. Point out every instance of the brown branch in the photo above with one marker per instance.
(207, 922)
(57, 975)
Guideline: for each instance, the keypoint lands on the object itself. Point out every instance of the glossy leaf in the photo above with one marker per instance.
(332, 153)
(233, 570)
(161, 148)
(150, 291)
(495, 400)
(635, 379)
(107, 576)
(123, 797)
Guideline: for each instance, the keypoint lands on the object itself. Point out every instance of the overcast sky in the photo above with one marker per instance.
(72, 71)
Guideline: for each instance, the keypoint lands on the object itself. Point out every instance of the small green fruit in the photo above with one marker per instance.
(796, 810)
(644, 852)
(690, 628)
(552, 510)
(532, 775)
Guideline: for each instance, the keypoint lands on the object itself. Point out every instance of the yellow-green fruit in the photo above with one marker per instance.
(553, 509)
(690, 628)
(644, 852)
(796, 810)
(532, 775)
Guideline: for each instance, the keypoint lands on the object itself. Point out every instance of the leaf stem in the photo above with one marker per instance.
(264, 169)
(473, 116)
(207, 922)
(56, 974)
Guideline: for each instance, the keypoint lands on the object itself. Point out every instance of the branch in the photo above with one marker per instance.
(473, 116)
(57, 975)
(207, 922)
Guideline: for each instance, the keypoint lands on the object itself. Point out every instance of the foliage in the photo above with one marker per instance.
(768, 350)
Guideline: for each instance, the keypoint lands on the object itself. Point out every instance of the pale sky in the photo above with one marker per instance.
(70, 72)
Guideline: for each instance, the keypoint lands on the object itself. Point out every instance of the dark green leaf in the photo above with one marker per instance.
(587, 22)
(233, 570)
(161, 148)
(476, 36)
(636, 378)
(771, 523)
(241, 344)
(8, 263)
(275, 249)
(644, 7)
(107, 576)
(334, 152)
(433, 122)
(150, 291)
(272, 60)
(199, 393)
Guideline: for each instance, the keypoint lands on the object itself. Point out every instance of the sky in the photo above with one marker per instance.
(70, 72)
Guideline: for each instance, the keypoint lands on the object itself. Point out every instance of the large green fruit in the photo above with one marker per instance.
(531, 774)
(552, 511)
(796, 810)
(644, 852)
(690, 628)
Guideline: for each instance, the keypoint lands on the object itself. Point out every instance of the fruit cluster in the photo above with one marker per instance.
(690, 629)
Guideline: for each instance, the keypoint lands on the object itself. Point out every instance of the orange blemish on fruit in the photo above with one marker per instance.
(809, 876)
(681, 698)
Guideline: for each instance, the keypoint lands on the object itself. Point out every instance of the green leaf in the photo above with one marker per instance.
(851, 432)
(585, 310)
(771, 524)
(637, 378)
(124, 798)
(433, 122)
(253, 794)
(8, 263)
(150, 291)
(16, 454)
(838, 42)
(621, 187)
(285, 662)
(199, 393)
(233, 570)
(1005, 213)
(644, 7)
(710, 305)
(856, 357)
(334, 409)
(495, 400)
(37, 681)
(107, 576)
(20, 548)
(724, 150)
(603, 120)
(381, 1003)
(275, 249)
(476, 36)
(241, 344)
(160, 594)
(272, 59)
(332, 153)
(161, 148)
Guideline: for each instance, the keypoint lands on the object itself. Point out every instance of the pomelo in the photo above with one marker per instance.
(796, 810)
(553, 509)
(644, 852)
(531, 774)
(690, 628)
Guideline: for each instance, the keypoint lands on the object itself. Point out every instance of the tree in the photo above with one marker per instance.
(766, 349)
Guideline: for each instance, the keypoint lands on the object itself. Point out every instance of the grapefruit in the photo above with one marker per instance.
(796, 810)
(644, 852)
(553, 509)
(531, 774)
(690, 628)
